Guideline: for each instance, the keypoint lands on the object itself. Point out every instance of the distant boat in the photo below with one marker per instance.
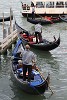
(63, 18)
(38, 84)
(45, 45)
(6, 18)
(44, 21)
(45, 8)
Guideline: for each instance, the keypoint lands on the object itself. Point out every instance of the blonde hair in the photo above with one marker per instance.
(20, 61)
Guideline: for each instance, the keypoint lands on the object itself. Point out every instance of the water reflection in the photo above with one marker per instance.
(5, 65)
(46, 59)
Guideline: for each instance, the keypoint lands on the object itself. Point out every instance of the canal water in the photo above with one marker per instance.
(54, 62)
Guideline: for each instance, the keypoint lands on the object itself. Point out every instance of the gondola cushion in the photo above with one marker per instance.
(35, 72)
(19, 70)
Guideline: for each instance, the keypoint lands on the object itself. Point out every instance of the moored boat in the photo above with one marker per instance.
(44, 20)
(46, 7)
(44, 45)
(38, 85)
(6, 18)
(63, 18)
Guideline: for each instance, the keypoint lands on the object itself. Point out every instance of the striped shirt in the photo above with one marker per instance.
(27, 57)
(38, 28)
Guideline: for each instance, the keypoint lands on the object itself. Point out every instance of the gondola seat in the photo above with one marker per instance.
(31, 38)
(32, 42)
(20, 74)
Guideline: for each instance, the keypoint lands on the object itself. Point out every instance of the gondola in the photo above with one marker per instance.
(38, 85)
(6, 18)
(63, 18)
(45, 45)
(44, 20)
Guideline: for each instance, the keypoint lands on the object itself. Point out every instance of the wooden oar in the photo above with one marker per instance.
(46, 81)
(34, 64)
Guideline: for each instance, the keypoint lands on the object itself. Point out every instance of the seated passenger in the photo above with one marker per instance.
(19, 67)
(20, 64)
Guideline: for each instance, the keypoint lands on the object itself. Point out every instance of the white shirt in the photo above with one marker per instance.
(33, 9)
(38, 28)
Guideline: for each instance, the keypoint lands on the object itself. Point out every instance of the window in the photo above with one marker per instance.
(65, 4)
(50, 4)
(44, 4)
(59, 4)
(39, 5)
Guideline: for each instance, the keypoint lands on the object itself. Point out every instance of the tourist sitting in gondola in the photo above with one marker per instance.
(19, 67)
(20, 64)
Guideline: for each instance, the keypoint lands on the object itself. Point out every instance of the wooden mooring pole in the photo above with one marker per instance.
(9, 36)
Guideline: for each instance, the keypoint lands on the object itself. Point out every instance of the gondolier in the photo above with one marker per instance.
(27, 57)
(38, 31)
(33, 10)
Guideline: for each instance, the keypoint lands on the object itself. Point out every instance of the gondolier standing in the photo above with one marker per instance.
(28, 57)
(38, 32)
(33, 10)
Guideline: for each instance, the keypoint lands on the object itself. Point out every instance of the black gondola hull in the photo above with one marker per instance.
(46, 46)
(43, 21)
(6, 18)
(35, 90)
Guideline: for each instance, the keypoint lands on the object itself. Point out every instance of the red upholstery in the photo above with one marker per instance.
(32, 42)
(31, 38)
